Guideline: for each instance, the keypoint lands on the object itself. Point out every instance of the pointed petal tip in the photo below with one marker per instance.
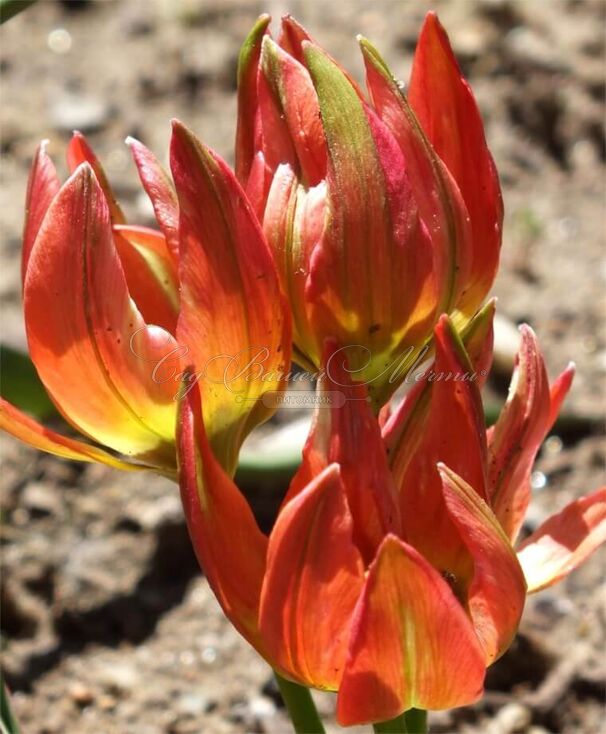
(270, 48)
(83, 172)
(444, 471)
(526, 330)
(432, 22)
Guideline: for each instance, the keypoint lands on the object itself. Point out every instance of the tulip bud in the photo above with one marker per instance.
(370, 227)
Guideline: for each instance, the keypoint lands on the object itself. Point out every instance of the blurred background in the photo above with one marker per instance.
(107, 625)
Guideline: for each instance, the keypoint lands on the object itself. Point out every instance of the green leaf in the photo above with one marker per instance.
(21, 386)
(8, 723)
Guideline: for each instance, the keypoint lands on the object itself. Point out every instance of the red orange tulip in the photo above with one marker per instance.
(391, 574)
(383, 211)
(114, 313)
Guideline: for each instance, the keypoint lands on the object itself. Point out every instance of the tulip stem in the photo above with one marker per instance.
(416, 721)
(300, 706)
(393, 726)
(413, 721)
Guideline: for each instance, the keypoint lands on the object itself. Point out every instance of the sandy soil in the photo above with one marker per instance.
(107, 625)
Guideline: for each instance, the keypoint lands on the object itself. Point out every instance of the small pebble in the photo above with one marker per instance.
(81, 694)
(513, 718)
(59, 41)
(42, 499)
(119, 676)
(262, 707)
(192, 704)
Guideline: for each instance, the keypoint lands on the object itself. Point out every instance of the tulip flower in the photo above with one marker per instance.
(383, 213)
(115, 312)
(391, 574)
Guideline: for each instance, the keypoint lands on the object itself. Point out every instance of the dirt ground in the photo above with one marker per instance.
(107, 625)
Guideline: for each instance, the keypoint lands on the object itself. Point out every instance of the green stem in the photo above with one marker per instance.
(413, 721)
(300, 706)
(393, 726)
(416, 721)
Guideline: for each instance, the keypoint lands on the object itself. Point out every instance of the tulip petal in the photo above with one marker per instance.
(234, 319)
(314, 577)
(293, 224)
(374, 296)
(558, 391)
(477, 337)
(228, 543)
(412, 645)
(150, 272)
(291, 85)
(273, 135)
(42, 185)
(515, 438)
(248, 121)
(496, 592)
(440, 203)
(451, 400)
(161, 192)
(445, 106)
(293, 38)
(564, 541)
(343, 422)
(21, 426)
(93, 351)
(78, 152)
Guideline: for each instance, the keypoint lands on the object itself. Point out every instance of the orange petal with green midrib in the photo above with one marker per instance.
(373, 241)
(446, 425)
(234, 320)
(293, 91)
(477, 337)
(228, 544)
(314, 576)
(412, 644)
(92, 349)
(496, 591)
(343, 423)
(437, 195)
